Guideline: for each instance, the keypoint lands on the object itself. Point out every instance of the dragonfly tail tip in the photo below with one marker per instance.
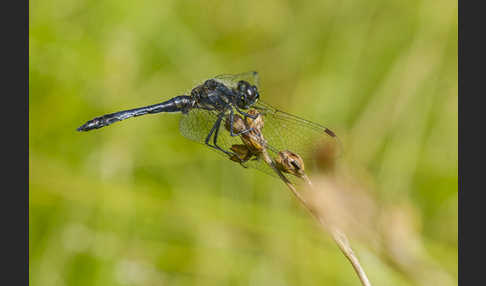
(82, 128)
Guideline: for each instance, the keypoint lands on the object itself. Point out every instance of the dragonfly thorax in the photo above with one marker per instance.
(214, 95)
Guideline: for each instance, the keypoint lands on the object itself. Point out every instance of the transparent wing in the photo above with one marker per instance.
(196, 126)
(282, 131)
(231, 80)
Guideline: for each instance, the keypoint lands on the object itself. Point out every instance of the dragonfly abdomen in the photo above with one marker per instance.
(177, 104)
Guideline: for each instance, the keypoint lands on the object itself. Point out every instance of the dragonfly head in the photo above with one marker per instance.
(247, 94)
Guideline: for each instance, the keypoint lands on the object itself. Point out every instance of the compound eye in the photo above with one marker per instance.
(242, 85)
(253, 92)
(242, 99)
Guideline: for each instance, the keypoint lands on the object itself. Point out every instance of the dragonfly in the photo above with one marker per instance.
(221, 99)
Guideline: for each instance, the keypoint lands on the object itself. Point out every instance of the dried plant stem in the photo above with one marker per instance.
(338, 236)
(288, 160)
(343, 243)
(270, 162)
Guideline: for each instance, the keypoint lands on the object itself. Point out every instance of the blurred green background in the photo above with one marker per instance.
(138, 204)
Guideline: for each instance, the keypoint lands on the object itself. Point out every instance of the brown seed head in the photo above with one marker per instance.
(290, 162)
(239, 124)
(256, 123)
(242, 153)
(253, 139)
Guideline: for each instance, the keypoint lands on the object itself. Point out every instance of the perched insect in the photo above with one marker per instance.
(222, 99)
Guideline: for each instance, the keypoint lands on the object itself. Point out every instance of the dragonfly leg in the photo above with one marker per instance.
(231, 118)
(215, 139)
(215, 130)
(246, 114)
(212, 131)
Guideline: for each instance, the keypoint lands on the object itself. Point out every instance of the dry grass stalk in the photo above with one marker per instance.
(291, 163)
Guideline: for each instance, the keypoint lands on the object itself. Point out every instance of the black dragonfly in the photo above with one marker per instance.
(223, 97)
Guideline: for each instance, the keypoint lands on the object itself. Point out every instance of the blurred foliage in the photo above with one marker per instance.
(138, 204)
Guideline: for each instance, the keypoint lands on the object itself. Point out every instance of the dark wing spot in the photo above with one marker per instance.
(330, 133)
